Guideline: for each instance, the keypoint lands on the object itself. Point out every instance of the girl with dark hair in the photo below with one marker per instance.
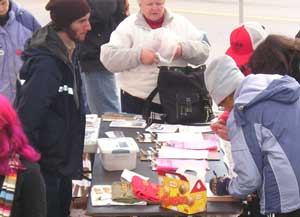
(277, 54)
(18, 170)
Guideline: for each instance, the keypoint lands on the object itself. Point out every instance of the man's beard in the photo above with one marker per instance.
(72, 35)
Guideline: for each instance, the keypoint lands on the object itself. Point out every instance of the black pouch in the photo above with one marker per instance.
(183, 95)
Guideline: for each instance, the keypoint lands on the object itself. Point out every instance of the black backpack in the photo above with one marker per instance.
(183, 95)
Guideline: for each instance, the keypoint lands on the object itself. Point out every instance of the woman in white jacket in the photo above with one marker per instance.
(154, 36)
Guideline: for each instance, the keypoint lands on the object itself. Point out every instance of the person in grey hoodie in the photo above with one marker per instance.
(264, 143)
(16, 26)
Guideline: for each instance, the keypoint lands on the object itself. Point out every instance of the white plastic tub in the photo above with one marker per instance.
(118, 153)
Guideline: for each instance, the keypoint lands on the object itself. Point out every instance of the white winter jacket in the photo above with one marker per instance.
(122, 52)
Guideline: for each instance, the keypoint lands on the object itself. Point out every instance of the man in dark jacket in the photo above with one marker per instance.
(100, 84)
(49, 101)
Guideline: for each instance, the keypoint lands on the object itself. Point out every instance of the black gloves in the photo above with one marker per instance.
(219, 185)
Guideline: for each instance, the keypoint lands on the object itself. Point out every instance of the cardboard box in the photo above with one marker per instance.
(183, 190)
(118, 153)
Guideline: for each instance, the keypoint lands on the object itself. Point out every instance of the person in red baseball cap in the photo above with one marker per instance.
(243, 41)
(49, 99)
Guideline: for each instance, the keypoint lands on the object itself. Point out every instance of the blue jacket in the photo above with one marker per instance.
(13, 35)
(264, 130)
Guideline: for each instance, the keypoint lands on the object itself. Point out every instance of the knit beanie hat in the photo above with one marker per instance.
(222, 77)
(64, 12)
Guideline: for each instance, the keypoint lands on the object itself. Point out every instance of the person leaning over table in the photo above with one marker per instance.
(129, 52)
(277, 54)
(244, 39)
(264, 144)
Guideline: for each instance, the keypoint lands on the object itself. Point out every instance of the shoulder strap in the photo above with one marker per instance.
(148, 101)
(7, 193)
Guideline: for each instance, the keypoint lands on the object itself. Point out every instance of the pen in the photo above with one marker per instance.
(214, 172)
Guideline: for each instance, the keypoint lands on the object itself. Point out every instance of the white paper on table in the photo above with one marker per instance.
(114, 134)
(127, 175)
(187, 141)
(174, 164)
(169, 152)
(164, 137)
(162, 128)
(129, 124)
(194, 129)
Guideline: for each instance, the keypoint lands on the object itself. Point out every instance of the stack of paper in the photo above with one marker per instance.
(92, 128)
(197, 141)
(174, 164)
(178, 153)
(129, 124)
(171, 128)
(190, 149)
(162, 128)
(113, 116)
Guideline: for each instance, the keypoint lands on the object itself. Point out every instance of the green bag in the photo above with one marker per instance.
(122, 192)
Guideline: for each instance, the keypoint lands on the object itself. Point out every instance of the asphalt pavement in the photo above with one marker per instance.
(216, 17)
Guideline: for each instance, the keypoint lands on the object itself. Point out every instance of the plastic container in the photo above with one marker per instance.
(118, 153)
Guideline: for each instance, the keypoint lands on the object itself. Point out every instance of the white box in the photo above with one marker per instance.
(118, 153)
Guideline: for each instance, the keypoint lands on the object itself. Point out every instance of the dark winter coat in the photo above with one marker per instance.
(105, 17)
(49, 103)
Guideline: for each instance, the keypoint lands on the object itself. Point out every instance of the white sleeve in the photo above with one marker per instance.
(118, 55)
(196, 48)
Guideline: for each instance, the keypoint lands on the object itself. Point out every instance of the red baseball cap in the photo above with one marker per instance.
(243, 40)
